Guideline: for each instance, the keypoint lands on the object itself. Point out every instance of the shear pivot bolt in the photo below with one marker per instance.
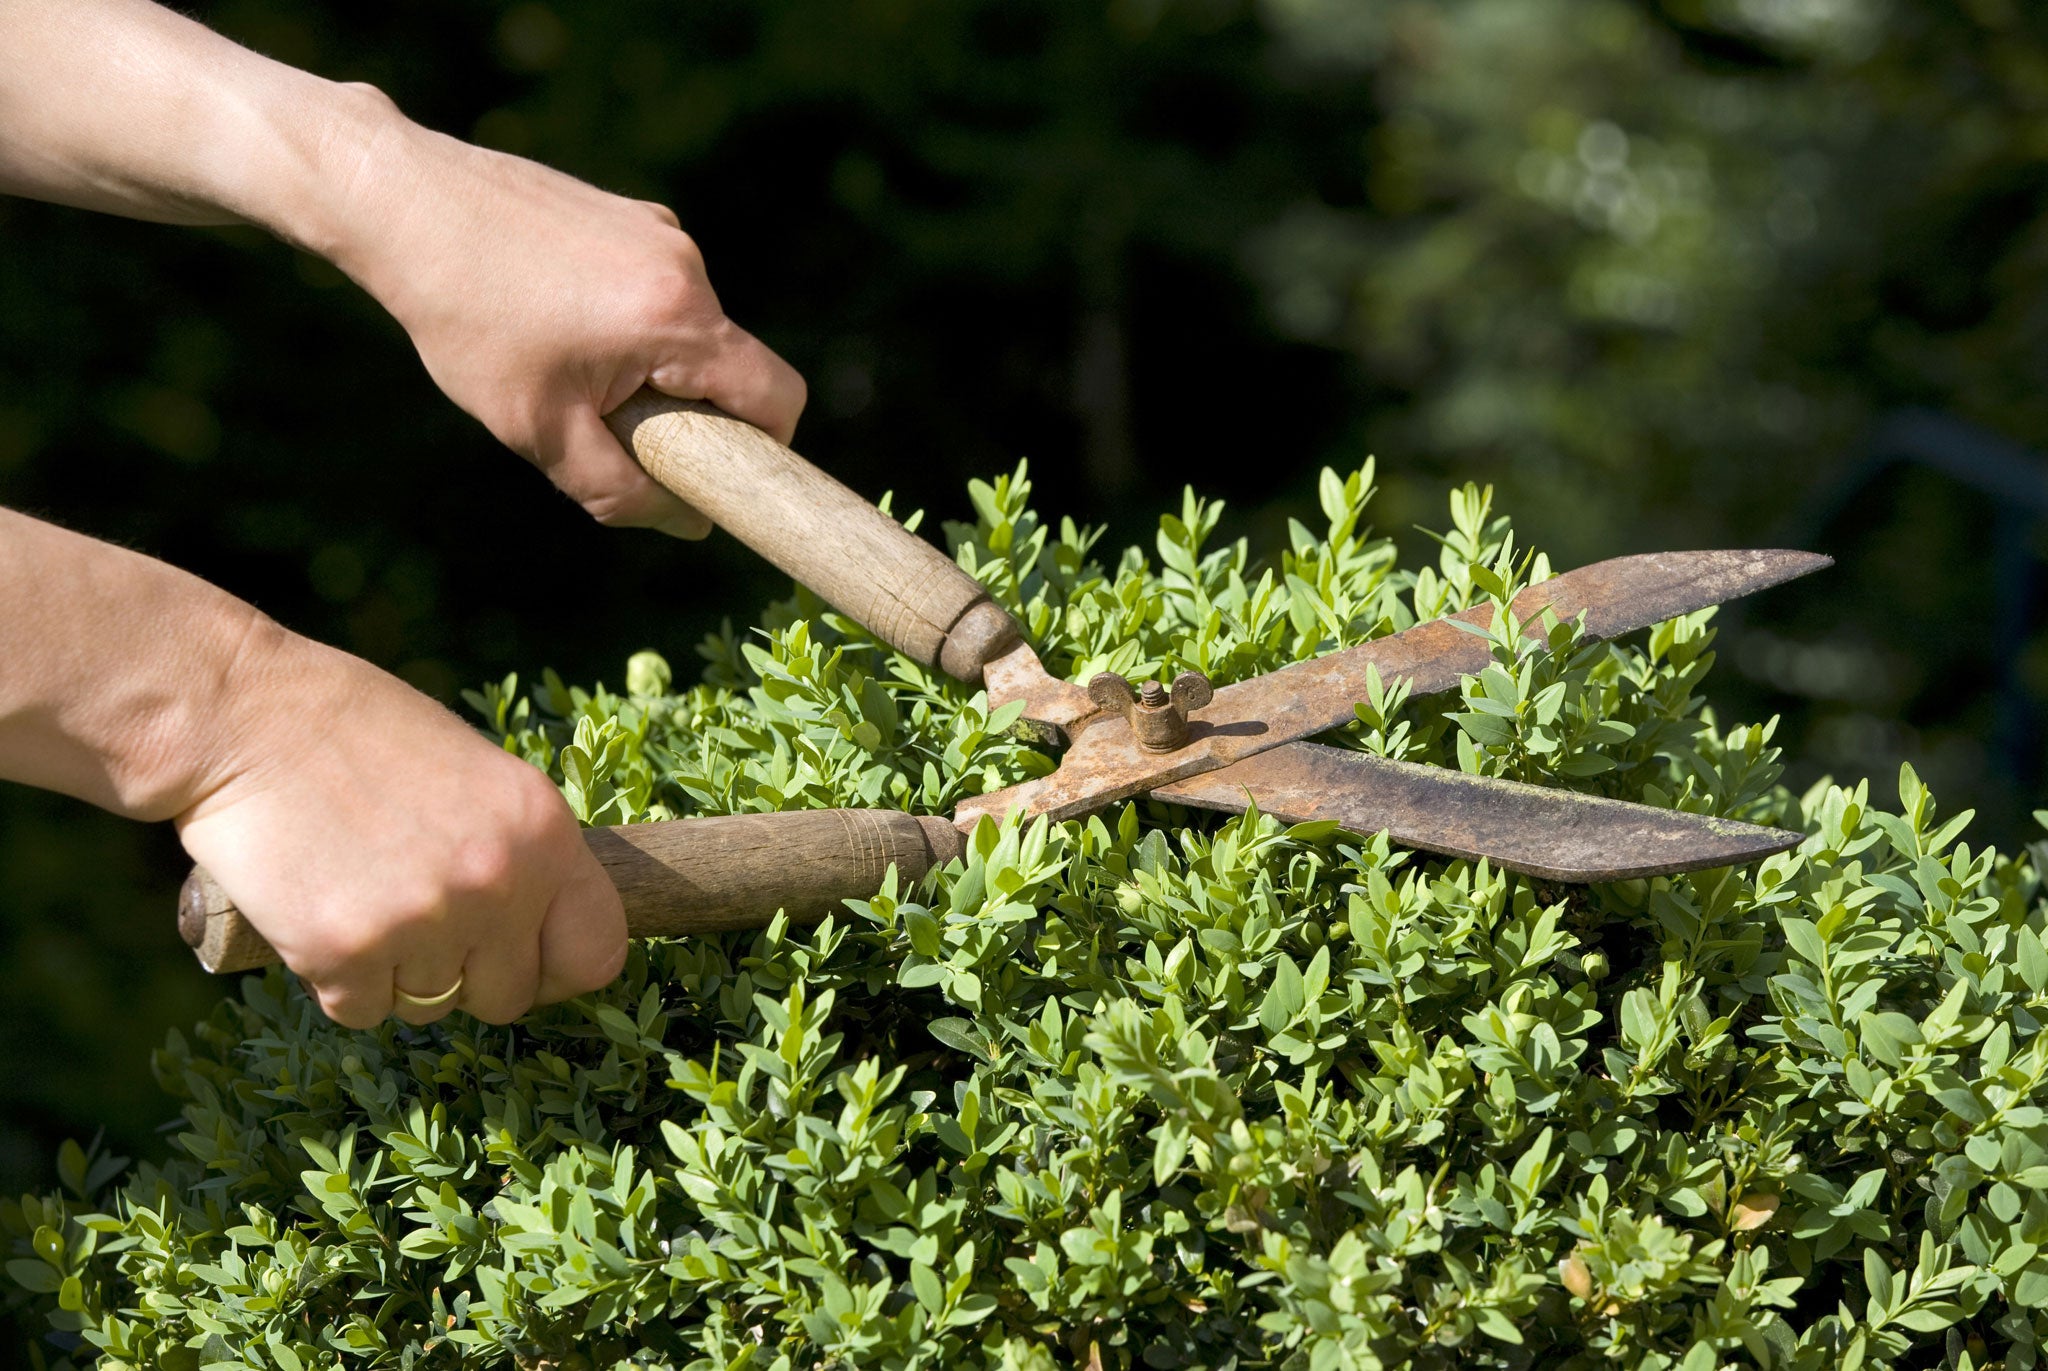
(1157, 716)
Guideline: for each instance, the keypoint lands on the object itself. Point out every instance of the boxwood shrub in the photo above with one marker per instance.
(1154, 1089)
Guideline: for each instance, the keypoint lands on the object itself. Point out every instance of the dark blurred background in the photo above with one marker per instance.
(1670, 273)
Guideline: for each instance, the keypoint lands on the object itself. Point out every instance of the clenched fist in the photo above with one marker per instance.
(540, 303)
(387, 851)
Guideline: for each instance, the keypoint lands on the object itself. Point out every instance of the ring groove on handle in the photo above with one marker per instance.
(685, 876)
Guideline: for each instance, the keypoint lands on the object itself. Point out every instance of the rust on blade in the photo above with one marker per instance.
(1054, 708)
(1555, 834)
(1107, 763)
(1616, 596)
(1626, 593)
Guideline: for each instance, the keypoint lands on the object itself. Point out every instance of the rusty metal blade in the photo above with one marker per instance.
(1616, 596)
(1054, 709)
(1106, 764)
(1554, 834)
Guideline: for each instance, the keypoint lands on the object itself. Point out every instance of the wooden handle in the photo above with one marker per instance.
(856, 558)
(680, 877)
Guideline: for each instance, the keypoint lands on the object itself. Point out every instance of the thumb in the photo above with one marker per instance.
(744, 378)
(583, 937)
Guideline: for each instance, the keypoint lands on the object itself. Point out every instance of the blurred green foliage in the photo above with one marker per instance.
(1652, 267)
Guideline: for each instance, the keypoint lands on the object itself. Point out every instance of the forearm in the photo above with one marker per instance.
(116, 670)
(537, 302)
(127, 107)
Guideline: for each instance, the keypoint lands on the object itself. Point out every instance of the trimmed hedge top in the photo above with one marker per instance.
(1149, 1089)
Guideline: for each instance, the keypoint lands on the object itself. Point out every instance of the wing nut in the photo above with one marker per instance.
(1158, 716)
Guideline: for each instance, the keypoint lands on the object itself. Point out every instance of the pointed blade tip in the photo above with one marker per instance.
(1627, 593)
(1797, 562)
(1766, 566)
(1765, 842)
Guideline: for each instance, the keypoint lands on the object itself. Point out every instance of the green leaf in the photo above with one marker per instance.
(1496, 1325)
(1286, 997)
(1928, 1318)
(925, 1282)
(1963, 1105)
(1169, 1152)
(1804, 938)
(923, 930)
(1877, 1278)
(2033, 959)
(960, 1035)
(36, 1277)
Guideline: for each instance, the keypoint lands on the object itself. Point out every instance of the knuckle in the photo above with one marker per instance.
(364, 938)
(584, 947)
(410, 908)
(485, 867)
(662, 300)
(499, 1009)
(609, 512)
(540, 813)
(347, 941)
(512, 983)
(599, 963)
(347, 1009)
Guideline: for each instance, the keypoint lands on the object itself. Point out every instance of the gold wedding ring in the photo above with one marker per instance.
(427, 1001)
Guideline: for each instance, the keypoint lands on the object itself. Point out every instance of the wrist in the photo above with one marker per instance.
(196, 737)
(123, 681)
(334, 150)
(262, 678)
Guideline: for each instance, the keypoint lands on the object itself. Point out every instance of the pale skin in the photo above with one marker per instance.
(377, 842)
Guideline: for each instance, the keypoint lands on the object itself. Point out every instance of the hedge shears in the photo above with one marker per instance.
(1227, 749)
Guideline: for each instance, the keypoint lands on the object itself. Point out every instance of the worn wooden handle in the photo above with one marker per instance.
(680, 877)
(856, 558)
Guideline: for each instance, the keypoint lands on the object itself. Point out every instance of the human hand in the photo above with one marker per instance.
(380, 845)
(540, 303)
(537, 302)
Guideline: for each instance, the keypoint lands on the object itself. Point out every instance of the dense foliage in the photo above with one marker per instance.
(1148, 1089)
(1650, 266)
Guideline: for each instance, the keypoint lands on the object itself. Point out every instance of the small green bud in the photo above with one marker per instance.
(1594, 964)
(648, 676)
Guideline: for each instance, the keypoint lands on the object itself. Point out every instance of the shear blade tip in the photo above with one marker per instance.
(1765, 842)
(1782, 564)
